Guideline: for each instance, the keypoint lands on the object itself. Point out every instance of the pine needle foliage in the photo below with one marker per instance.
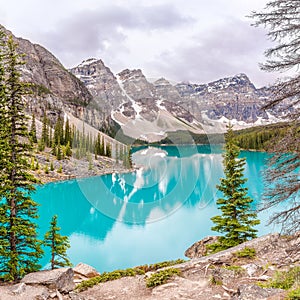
(237, 220)
(20, 248)
(58, 244)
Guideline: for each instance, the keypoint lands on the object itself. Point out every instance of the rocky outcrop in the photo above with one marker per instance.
(218, 276)
(233, 97)
(85, 270)
(101, 83)
(131, 100)
(199, 248)
(254, 292)
(57, 279)
(55, 89)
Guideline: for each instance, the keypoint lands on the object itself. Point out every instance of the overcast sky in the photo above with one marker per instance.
(182, 40)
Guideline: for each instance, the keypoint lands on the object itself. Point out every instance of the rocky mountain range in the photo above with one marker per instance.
(142, 109)
(148, 110)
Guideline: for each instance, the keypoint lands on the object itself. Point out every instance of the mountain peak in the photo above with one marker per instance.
(91, 61)
(134, 74)
(161, 82)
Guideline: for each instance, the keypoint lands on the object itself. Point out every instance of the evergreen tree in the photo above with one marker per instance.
(50, 137)
(237, 219)
(45, 132)
(98, 145)
(58, 244)
(59, 155)
(68, 135)
(59, 131)
(19, 247)
(117, 153)
(68, 150)
(108, 149)
(127, 162)
(33, 130)
(102, 152)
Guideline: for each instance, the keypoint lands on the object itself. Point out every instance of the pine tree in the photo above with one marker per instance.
(98, 145)
(237, 219)
(59, 131)
(33, 130)
(108, 149)
(58, 244)
(19, 247)
(127, 162)
(67, 137)
(59, 155)
(45, 132)
(101, 152)
(68, 149)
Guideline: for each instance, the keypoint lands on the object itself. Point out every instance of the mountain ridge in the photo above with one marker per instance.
(207, 106)
(129, 102)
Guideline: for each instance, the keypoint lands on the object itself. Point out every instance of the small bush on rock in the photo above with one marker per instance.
(161, 277)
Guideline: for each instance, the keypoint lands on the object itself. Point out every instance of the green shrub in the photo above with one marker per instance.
(108, 276)
(294, 294)
(160, 265)
(214, 281)
(161, 277)
(245, 253)
(284, 279)
(59, 169)
(140, 270)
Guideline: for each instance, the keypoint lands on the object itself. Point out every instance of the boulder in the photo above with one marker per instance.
(85, 270)
(58, 279)
(18, 289)
(199, 249)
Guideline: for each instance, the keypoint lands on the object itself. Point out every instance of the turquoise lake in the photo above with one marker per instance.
(153, 214)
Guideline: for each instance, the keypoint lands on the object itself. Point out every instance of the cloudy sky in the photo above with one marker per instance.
(182, 40)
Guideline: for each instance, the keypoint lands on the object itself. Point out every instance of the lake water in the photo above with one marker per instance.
(151, 215)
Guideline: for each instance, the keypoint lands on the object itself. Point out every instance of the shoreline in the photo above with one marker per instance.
(71, 168)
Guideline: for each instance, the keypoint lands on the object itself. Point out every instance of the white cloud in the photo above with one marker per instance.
(181, 40)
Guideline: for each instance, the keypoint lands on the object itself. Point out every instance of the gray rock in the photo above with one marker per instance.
(199, 249)
(58, 279)
(252, 269)
(254, 292)
(18, 289)
(85, 270)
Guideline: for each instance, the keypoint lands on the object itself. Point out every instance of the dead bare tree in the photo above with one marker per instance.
(282, 19)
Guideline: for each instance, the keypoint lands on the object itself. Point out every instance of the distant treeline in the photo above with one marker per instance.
(261, 137)
(254, 138)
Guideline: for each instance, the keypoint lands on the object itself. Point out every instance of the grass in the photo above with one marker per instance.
(245, 253)
(214, 281)
(294, 294)
(284, 279)
(160, 265)
(117, 274)
(108, 276)
(161, 277)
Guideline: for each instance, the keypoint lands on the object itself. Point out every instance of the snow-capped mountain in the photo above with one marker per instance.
(143, 109)
(134, 103)
(148, 110)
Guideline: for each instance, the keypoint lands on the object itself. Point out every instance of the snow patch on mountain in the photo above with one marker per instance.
(137, 108)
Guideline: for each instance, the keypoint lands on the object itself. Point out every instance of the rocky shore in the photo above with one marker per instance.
(224, 275)
(71, 168)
